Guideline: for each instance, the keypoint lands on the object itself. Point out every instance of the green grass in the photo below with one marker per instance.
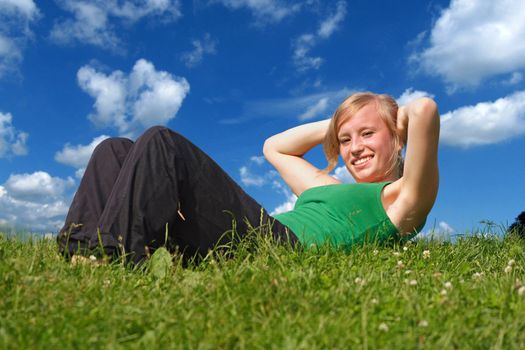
(464, 296)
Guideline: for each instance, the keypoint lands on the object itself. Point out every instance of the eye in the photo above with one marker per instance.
(344, 140)
(368, 133)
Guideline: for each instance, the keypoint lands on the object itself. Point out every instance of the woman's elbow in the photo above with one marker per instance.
(426, 106)
(268, 148)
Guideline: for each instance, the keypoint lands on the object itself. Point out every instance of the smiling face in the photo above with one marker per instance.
(367, 146)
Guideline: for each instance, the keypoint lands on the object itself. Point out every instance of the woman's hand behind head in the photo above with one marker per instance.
(402, 124)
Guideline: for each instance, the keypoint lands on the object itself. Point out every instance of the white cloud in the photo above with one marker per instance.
(302, 46)
(264, 11)
(131, 103)
(341, 173)
(259, 160)
(331, 23)
(38, 186)
(23, 8)
(475, 39)
(294, 107)
(515, 78)
(249, 178)
(110, 94)
(78, 156)
(35, 201)
(200, 48)
(12, 141)
(15, 17)
(442, 232)
(301, 53)
(290, 200)
(410, 94)
(90, 26)
(10, 55)
(286, 206)
(93, 20)
(485, 123)
(315, 110)
(446, 228)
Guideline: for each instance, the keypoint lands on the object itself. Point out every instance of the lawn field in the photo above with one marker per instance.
(428, 295)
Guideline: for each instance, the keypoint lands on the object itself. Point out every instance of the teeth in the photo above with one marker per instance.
(362, 160)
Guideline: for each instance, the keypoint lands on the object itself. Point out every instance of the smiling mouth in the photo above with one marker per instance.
(363, 160)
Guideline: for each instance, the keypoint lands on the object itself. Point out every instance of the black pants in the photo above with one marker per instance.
(133, 194)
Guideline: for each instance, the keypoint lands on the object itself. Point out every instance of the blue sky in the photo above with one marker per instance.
(230, 73)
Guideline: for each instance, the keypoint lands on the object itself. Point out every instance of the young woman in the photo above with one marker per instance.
(391, 198)
(135, 197)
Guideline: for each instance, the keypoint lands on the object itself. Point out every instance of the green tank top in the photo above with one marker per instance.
(341, 215)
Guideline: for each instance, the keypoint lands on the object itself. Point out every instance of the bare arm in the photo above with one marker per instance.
(418, 125)
(285, 152)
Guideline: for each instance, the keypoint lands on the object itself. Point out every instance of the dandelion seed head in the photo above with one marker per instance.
(400, 264)
(374, 301)
(412, 282)
(383, 327)
(92, 258)
(443, 292)
(405, 248)
(448, 285)
(511, 262)
(396, 253)
(423, 323)
(521, 290)
(508, 269)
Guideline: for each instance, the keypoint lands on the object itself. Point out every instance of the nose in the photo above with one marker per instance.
(357, 146)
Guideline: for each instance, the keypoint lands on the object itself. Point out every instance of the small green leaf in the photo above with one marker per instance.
(160, 263)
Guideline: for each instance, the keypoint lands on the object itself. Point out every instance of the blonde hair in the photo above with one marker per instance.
(386, 108)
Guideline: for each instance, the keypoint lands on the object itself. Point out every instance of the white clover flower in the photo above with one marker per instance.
(443, 292)
(508, 269)
(375, 252)
(400, 264)
(359, 280)
(92, 258)
(412, 282)
(426, 254)
(383, 327)
(521, 290)
(408, 272)
(478, 275)
(405, 248)
(374, 301)
(396, 253)
(448, 285)
(423, 323)
(511, 262)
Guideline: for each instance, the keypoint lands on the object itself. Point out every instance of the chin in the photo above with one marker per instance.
(369, 179)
